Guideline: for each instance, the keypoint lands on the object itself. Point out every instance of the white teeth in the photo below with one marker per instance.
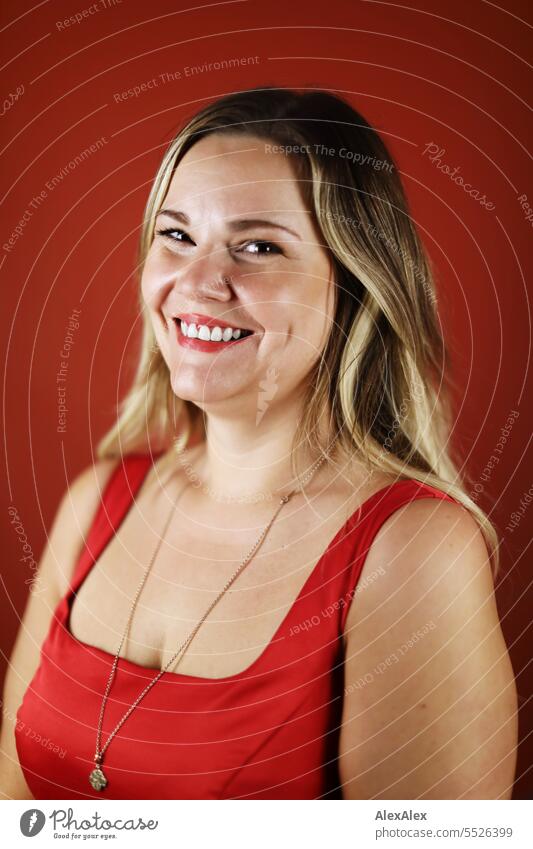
(203, 333)
(207, 334)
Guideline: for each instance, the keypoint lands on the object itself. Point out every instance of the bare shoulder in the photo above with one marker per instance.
(87, 486)
(73, 519)
(427, 673)
(430, 554)
(82, 499)
(435, 538)
(90, 482)
(66, 535)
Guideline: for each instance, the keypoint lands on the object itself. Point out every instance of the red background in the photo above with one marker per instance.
(452, 73)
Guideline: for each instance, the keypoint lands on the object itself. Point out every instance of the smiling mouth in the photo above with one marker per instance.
(215, 333)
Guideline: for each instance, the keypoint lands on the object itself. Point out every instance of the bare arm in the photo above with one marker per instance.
(430, 708)
(70, 527)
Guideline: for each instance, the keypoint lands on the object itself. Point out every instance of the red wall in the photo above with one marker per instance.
(449, 73)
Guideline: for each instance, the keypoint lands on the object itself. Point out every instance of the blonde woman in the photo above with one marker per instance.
(272, 582)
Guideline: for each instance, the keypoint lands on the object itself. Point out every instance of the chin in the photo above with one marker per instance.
(205, 390)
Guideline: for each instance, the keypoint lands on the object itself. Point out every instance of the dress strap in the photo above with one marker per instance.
(115, 500)
(368, 522)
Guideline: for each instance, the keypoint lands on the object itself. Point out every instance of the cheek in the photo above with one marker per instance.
(311, 306)
(321, 300)
(151, 287)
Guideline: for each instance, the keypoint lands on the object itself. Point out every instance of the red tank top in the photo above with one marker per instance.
(269, 732)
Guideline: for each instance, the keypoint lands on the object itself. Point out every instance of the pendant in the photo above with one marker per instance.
(98, 779)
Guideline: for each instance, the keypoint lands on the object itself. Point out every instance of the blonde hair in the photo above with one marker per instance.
(383, 376)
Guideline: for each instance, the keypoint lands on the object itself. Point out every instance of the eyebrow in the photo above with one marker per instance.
(237, 226)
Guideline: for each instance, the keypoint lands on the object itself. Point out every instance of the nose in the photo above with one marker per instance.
(205, 279)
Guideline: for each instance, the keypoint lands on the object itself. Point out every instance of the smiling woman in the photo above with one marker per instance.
(284, 590)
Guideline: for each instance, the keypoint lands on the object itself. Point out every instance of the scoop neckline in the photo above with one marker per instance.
(152, 672)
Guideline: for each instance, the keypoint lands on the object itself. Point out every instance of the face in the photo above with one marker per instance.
(236, 247)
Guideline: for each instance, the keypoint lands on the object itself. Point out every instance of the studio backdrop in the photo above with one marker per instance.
(93, 94)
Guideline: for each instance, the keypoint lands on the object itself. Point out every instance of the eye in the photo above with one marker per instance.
(168, 234)
(261, 248)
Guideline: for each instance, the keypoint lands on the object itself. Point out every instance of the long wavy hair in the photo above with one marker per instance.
(383, 378)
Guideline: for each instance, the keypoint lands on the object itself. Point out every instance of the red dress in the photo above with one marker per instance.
(270, 732)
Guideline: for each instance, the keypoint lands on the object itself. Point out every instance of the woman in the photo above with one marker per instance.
(292, 595)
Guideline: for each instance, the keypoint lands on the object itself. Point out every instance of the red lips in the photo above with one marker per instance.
(202, 344)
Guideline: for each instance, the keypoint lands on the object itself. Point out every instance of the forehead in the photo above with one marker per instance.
(238, 174)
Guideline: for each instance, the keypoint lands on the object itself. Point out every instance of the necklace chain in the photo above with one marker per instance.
(97, 778)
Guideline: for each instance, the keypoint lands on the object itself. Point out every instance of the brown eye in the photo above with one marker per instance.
(169, 232)
(261, 247)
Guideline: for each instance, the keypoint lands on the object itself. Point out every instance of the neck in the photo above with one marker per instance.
(242, 462)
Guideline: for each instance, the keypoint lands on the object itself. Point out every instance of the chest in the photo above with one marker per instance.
(192, 565)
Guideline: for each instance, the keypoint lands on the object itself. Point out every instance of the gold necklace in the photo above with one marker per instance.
(97, 777)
